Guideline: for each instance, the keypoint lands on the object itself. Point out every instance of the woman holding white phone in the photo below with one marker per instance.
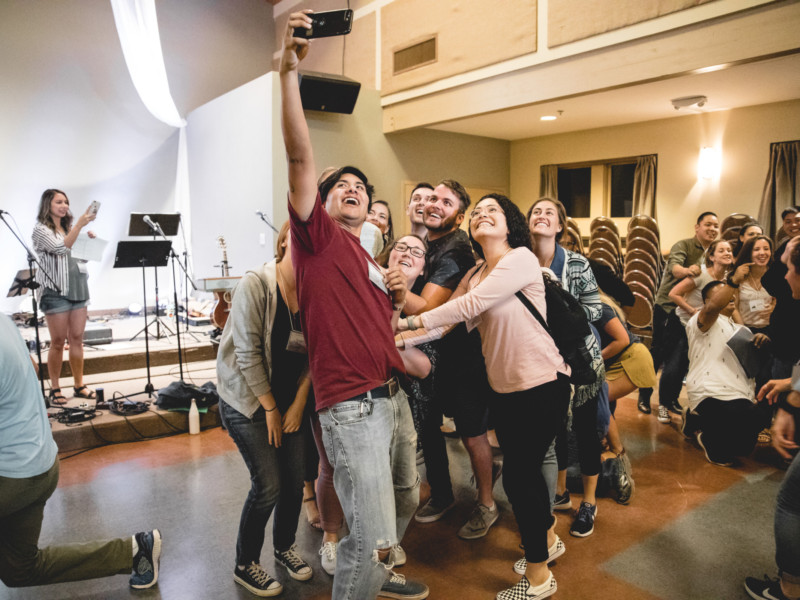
(64, 292)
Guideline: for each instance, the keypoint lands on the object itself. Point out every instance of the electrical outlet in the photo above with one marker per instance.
(262, 239)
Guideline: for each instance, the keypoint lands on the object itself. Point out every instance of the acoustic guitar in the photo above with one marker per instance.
(222, 298)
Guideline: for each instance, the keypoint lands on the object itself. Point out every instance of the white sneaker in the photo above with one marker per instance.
(328, 557)
(663, 414)
(397, 555)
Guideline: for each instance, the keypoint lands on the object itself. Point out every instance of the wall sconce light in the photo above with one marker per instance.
(709, 164)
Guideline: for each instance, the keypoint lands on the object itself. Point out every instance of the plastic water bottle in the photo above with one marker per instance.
(194, 418)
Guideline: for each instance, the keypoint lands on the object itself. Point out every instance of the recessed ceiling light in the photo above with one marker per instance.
(548, 118)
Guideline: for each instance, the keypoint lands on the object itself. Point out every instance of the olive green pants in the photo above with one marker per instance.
(23, 563)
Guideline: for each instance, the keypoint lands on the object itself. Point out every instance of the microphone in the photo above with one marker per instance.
(149, 221)
(258, 212)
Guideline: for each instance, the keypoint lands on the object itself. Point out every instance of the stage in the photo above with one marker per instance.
(119, 367)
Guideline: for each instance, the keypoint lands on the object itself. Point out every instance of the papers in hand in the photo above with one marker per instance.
(86, 248)
(750, 357)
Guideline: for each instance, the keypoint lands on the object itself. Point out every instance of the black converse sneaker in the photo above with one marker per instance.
(256, 580)
(297, 567)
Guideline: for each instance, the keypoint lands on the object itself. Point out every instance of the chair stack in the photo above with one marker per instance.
(572, 227)
(605, 245)
(643, 267)
(732, 225)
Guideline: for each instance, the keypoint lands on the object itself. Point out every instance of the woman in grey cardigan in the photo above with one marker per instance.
(263, 385)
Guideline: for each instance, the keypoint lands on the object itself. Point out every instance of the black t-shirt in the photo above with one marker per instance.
(784, 322)
(287, 366)
(447, 260)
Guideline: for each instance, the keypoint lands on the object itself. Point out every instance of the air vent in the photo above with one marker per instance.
(411, 57)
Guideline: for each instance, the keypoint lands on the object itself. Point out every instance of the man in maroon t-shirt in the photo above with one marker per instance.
(349, 308)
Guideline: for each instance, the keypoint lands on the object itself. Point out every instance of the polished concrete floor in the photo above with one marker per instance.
(692, 531)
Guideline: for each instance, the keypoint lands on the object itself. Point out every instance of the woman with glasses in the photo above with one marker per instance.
(528, 375)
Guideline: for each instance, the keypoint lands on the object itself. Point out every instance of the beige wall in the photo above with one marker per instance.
(743, 135)
(391, 161)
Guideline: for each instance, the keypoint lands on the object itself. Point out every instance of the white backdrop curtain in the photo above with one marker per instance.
(548, 181)
(644, 185)
(137, 27)
(782, 187)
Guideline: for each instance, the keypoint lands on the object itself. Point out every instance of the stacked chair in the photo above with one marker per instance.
(644, 264)
(732, 224)
(605, 245)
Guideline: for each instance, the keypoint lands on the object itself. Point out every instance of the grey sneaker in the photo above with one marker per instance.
(663, 414)
(479, 522)
(553, 552)
(297, 567)
(147, 560)
(257, 581)
(397, 555)
(431, 512)
(328, 557)
(400, 588)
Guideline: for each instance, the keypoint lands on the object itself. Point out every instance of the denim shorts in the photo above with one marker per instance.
(51, 304)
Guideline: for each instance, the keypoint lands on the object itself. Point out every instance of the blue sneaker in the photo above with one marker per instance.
(764, 589)
(146, 561)
(583, 525)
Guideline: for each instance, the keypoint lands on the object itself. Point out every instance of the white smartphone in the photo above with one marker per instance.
(94, 207)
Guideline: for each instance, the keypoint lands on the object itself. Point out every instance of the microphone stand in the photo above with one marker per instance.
(32, 285)
(187, 279)
(264, 218)
(175, 259)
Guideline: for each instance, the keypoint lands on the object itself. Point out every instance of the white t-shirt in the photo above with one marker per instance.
(714, 370)
(695, 297)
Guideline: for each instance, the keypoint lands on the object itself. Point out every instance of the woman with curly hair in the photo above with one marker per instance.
(525, 369)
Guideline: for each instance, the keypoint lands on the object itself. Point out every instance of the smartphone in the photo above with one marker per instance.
(327, 24)
(94, 207)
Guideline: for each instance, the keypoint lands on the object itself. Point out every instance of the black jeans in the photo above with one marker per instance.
(526, 424)
(730, 427)
(276, 481)
(670, 350)
(584, 424)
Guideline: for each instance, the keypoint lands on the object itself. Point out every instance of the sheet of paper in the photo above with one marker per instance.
(86, 248)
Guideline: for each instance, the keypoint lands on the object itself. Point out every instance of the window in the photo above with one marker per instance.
(621, 190)
(575, 190)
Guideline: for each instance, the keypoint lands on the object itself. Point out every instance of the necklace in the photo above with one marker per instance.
(284, 290)
(488, 269)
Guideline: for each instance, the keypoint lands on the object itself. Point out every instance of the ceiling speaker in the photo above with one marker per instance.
(328, 93)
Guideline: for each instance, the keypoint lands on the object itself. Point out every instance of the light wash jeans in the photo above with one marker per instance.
(371, 443)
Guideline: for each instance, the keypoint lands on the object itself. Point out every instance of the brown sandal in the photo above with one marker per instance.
(315, 522)
(84, 392)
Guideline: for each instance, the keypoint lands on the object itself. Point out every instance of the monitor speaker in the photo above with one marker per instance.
(328, 93)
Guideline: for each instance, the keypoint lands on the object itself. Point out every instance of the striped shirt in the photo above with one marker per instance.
(53, 258)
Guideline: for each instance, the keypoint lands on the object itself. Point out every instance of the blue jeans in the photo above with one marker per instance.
(371, 443)
(787, 521)
(276, 482)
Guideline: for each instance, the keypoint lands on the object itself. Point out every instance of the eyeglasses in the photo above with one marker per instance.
(414, 251)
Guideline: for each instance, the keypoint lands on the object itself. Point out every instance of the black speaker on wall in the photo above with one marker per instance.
(328, 93)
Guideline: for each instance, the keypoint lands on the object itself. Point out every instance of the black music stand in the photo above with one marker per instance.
(143, 254)
(165, 224)
(24, 283)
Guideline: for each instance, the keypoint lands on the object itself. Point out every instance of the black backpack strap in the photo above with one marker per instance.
(532, 309)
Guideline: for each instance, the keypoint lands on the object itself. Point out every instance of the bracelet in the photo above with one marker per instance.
(729, 281)
(270, 409)
(398, 307)
(412, 325)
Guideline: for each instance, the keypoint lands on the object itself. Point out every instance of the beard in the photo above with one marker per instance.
(447, 224)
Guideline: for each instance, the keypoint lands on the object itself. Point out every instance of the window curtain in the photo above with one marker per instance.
(644, 186)
(548, 181)
(781, 188)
